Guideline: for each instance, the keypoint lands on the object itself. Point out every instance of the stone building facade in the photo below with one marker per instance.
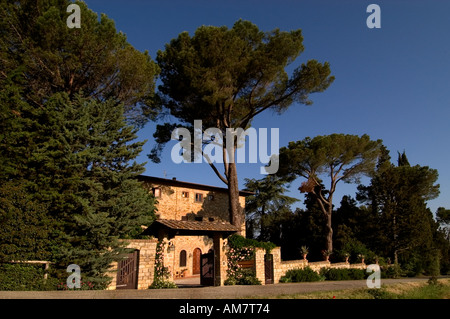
(193, 221)
(190, 217)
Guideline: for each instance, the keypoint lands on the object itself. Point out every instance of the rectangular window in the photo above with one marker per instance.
(185, 194)
(198, 197)
(157, 192)
(210, 197)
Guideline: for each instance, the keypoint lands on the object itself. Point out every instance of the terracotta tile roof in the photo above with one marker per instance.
(197, 225)
(174, 182)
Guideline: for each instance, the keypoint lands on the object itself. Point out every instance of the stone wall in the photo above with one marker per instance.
(179, 203)
(281, 267)
(147, 253)
(259, 265)
(188, 244)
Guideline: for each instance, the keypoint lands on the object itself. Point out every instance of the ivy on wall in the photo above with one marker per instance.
(242, 249)
(162, 273)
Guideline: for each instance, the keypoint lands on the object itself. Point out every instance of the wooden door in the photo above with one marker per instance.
(268, 268)
(207, 269)
(196, 261)
(127, 271)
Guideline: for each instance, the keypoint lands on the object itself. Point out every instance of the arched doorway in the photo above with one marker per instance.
(196, 261)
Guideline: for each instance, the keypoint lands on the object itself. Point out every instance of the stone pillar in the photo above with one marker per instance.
(220, 260)
(259, 265)
(277, 269)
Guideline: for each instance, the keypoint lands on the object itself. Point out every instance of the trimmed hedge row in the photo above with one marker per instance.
(343, 274)
(307, 274)
(301, 275)
(19, 277)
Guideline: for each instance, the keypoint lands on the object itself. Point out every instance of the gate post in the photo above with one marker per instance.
(220, 263)
(260, 265)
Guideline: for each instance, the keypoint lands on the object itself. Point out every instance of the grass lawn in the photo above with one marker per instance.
(410, 290)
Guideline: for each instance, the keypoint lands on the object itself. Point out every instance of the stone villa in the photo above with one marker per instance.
(193, 222)
(189, 216)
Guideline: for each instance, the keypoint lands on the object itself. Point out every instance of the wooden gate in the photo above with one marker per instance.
(268, 268)
(207, 269)
(196, 261)
(127, 271)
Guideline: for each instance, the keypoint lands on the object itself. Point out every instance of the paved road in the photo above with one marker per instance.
(224, 292)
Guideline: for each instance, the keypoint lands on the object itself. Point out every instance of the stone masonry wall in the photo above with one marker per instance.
(188, 244)
(281, 267)
(147, 253)
(179, 203)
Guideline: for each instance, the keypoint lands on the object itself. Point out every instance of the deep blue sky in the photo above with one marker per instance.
(391, 83)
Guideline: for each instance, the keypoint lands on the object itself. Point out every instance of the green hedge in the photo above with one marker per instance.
(22, 277)
(238, 242)
(307, 274)
(301, 275)
(343, 274)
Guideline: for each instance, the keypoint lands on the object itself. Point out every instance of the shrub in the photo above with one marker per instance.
(301, 275)
(343, 274)
(243, 277)
(240, 249)
(162, 284)
(22, 277)
(391, 271)
(358, 274)
(380, 293)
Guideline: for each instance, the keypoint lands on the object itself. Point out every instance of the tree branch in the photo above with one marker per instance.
(223, 179)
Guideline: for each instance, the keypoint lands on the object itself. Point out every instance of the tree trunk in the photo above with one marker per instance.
(330, 232)
(327, 209)
(233, 197)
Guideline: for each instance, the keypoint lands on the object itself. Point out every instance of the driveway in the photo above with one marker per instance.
(224, 292)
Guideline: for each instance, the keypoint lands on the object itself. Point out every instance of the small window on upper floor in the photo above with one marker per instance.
(156, 192)
(210, 197)
(198, 197)
(185, 194)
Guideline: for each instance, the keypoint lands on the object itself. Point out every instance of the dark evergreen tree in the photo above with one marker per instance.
(356, 229)
(269, 199)
(84, 169)
(397, 196)
(65, 147)
(25, 225)
(41, 54)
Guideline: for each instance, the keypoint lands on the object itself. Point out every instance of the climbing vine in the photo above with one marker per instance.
(162, 273)
(242, 249)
